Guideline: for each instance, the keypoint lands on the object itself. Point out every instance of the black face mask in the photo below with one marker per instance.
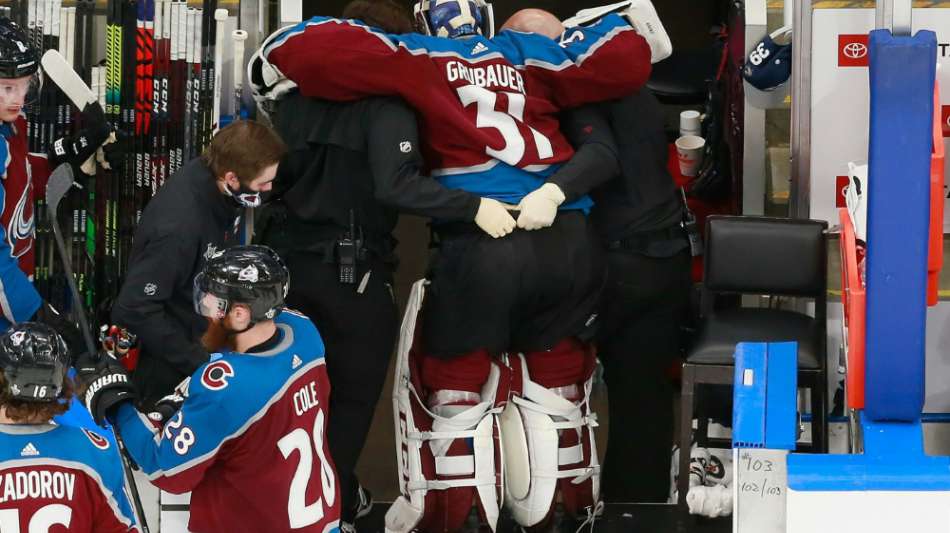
(244, 196)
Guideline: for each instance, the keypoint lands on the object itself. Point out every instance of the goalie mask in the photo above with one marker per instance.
(254, 276)
(455, 18)
(34, 359)
(19, 66)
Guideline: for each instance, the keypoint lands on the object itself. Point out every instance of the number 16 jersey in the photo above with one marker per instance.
(248, 440)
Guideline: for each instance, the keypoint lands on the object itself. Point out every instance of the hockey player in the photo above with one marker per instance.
(23, 179)
(191, 218)
(52, 477)
(246, 433)
(639, 214)
(351, 167)
(488, 115)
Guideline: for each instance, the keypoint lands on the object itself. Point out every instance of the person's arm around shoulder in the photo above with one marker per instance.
(396, 164)
(595, 161)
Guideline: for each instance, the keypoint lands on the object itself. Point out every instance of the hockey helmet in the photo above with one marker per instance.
(19, 65)
(251, 275)
(455, 18)
(34, 359)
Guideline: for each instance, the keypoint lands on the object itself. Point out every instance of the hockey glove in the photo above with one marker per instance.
(79, 148)
(494, 218)
(106, 384)
(166, 408)
(539, 207)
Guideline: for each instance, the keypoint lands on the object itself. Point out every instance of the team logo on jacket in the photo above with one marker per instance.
(97, 440)
(150, 289)
(216, 374)
(20, 225)
(405, 147)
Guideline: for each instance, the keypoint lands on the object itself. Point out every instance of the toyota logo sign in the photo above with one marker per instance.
(853, 50)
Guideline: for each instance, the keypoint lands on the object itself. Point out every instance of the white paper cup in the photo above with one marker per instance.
(689, 152)
(689, 123)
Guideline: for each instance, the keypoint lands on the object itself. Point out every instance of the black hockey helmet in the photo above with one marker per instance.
(252, 275)
(34, 360)
(18, 58)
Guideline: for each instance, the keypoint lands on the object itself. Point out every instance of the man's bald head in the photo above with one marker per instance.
(535, 21)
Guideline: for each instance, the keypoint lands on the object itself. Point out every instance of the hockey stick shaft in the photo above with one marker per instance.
(60, 181)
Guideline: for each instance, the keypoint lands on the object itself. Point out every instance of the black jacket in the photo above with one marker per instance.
(362, 157)
(187, 221)
(630, 131)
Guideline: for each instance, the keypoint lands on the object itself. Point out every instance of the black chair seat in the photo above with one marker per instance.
(681, 78)
(716, 341)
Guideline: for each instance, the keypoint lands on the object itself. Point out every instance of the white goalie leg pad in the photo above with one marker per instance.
(642, 16)
(534, 460)
(423, 439)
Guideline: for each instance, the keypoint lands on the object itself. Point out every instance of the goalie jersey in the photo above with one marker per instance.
(61, 478)
(248, 440)
(487, 107)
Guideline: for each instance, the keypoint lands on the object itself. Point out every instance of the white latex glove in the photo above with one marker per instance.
(493, 218)
(539, 207)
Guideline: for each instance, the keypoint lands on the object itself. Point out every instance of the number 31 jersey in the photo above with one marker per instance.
(488, 107)
(249, 440)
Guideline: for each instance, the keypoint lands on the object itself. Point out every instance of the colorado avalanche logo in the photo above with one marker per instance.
(97, 440)
(19, 221)
(215, 375)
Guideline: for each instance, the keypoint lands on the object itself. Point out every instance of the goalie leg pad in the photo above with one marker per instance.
(446, 438)
(559, 446)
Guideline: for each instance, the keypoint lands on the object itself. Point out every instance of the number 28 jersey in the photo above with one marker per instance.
(488, 107)
(249, 439)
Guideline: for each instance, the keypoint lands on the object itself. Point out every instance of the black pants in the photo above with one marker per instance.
(523, 292)
(645, 302)
(359, 332)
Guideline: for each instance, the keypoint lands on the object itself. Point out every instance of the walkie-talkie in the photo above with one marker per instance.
(347, 249)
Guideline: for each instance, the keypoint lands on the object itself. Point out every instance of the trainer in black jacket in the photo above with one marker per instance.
(189, 219)
(638, 213)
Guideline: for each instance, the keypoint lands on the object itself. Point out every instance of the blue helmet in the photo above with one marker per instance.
(455, 18)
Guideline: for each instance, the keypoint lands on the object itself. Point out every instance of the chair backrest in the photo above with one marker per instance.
(764, 255)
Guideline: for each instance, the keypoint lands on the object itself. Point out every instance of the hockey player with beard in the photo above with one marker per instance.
(52, 477)
(246, 432)
(23, 179)
(502, 318)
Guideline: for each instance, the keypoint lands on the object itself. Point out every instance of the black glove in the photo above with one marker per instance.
(166, 408)
(67, 329)
(106, 384)
(76, 149)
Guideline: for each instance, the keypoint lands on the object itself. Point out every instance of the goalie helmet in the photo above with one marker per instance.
(34, 359)
(455, 18)
(252, 275)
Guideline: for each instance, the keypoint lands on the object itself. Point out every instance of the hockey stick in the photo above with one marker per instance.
(60, 181)
(238, 36)
(220, 15)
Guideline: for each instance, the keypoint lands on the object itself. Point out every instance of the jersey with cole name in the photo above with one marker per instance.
(488, 107)
(22, 176)
(249, 439)
(61, 478)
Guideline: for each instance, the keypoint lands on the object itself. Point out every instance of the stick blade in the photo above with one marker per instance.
(60, 181)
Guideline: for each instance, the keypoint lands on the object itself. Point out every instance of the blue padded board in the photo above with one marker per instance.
(901, 76)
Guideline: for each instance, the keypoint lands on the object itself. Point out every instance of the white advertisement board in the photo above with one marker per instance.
(839, 98)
